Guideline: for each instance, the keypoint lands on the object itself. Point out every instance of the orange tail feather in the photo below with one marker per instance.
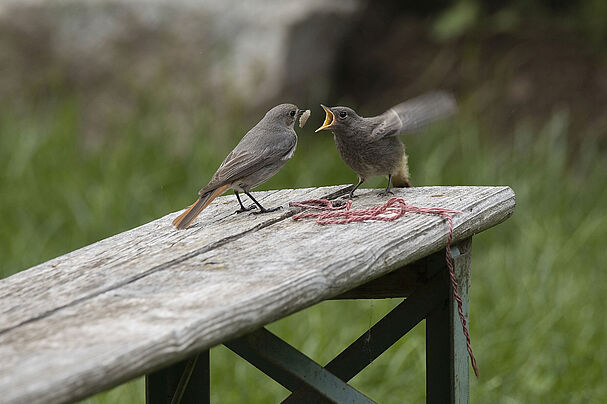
(400, 178)
(183, 221)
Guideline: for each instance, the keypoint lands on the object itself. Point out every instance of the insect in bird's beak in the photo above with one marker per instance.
(303, 116)
(329, 119)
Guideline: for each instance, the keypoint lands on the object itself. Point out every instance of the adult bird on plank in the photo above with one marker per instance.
(259, 155)
(371, 147)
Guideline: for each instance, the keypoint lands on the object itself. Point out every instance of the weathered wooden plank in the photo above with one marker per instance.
(132, 303)
(123, 258)
(399, 283)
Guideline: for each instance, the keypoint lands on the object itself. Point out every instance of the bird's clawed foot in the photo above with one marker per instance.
(263, 210)
(243, 209)
(385, 193)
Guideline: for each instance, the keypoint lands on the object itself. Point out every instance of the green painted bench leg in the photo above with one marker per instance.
(387, 331)
(185, 382)
(293, 369)
(447, 377)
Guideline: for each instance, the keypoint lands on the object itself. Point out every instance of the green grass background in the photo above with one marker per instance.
(538, 280)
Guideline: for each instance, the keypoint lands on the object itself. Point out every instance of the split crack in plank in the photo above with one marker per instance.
(177, 260)
(163, 316)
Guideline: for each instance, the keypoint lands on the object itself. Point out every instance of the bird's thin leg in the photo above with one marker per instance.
(261, 208)
(242, 207)
(387, 190)
(351, 194)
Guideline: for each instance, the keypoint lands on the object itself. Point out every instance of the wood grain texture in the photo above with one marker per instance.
(137, 301)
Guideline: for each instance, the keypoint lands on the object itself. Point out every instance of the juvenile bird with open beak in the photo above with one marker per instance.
(371, 147)
(259, 155)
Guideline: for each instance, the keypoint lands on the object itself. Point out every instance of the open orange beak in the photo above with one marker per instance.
(329, 119)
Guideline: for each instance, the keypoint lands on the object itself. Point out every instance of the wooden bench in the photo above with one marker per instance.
(152, 300)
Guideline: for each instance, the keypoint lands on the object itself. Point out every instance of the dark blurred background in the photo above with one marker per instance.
(114, 113)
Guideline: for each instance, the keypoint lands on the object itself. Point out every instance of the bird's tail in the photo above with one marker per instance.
(183, 221)
(400, 178)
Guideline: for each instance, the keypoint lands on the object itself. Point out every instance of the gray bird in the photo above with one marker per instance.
(371, 147)
(259, 155)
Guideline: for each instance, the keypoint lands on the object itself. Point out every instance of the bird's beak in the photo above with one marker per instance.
(329, 119)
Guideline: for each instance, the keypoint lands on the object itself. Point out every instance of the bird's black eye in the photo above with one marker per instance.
(292, 113)
(343, 114)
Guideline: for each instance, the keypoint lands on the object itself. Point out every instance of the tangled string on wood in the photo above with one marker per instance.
(338, 212)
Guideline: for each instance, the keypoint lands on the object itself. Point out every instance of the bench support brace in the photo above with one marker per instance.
(427, 288)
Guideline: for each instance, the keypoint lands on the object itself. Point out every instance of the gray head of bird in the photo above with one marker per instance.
(340, 120)
(283, 115)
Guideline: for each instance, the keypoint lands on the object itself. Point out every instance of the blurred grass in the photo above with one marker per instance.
(537, 298)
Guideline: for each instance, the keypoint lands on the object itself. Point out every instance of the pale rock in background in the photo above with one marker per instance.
(114, 56)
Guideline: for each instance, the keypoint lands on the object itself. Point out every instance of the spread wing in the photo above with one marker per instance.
(414, 114)
(250, 156)
(389, 124)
